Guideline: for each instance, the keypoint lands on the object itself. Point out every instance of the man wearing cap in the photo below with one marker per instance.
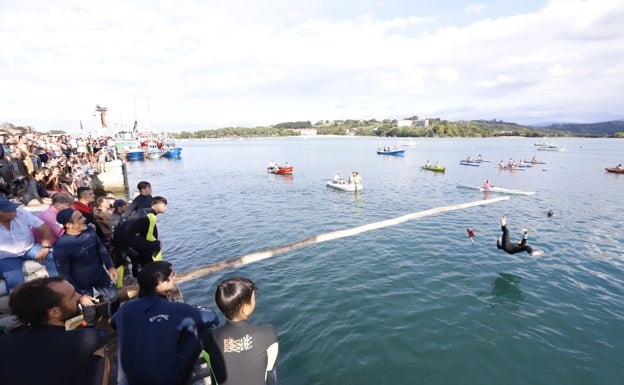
(119, 208)
(17, 243)
(80, 254)
(60, 201)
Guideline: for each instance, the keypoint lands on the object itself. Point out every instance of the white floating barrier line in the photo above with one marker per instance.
(268, 253)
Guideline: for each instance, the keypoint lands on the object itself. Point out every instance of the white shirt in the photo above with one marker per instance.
(19, 239)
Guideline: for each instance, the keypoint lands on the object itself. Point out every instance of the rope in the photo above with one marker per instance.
(268, 253)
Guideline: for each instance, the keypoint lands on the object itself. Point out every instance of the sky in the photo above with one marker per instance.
(187, 65)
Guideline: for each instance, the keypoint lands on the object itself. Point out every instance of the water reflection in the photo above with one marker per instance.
(506, 291)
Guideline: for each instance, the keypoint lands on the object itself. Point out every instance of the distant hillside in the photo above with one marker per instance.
(594, 129)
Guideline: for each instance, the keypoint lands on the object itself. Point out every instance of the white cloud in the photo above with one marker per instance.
(448, 74)
(213, 65)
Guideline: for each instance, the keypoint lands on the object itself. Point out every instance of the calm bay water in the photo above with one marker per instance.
(417, 302)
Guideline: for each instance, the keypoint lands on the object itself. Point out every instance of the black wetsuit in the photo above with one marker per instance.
(238, 353)
(512, 248)
(130, 239)
(158, 340)
(51, 355)
(138, 203)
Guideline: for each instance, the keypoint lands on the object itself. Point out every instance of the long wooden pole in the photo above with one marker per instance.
(268, 253)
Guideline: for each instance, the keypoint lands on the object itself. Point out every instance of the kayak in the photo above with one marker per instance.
(514, 168)
(344, 186)
(469, 163)
(499, 190)
(391, 152)
(433, 168)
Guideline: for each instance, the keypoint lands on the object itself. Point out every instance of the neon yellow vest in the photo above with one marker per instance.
(150, 234)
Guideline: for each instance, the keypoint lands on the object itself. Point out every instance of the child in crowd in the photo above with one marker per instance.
(239, 352)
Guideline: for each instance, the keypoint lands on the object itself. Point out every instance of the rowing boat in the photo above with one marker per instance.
(391, 152)
(469, 163)
(345, 186)
(433, 168)
(499, 190)
(615, 170)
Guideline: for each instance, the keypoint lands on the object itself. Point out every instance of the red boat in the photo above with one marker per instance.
(280, 170)
(615, 169)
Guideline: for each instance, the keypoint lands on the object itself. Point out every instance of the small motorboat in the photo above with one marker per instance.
(391, 151)
(616, 170)
(280, 170)
(345, 186)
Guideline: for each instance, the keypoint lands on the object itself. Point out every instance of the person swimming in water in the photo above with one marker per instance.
(513, 248)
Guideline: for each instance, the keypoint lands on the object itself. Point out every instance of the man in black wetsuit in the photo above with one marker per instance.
(512, 248)
(138, 236)
(241, 353)
(158, 340)
(45, 353)
(141, 201)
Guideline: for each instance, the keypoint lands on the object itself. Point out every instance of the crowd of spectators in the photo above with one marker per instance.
(56, 163)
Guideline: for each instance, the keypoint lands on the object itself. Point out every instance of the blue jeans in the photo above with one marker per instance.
(11, 268)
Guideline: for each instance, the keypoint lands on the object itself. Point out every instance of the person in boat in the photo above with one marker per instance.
(534, 159)
(487, 185)
(338, 179)
(158, 340)
(469, 158)
(427, 163)
(501, 164)
(437, 164)
(84, 261)
(141, 201)
(479, 157)
(17, 243)
(357, 179)
(137, 237)
(46, 353)
(351, 177)
(240, 352)
(618, 167)
(512, 248)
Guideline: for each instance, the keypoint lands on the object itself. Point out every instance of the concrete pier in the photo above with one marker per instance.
(114, 179)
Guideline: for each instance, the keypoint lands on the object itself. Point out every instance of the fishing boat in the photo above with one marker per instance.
(433, 168)
(616, 170)
(135, 153)
(389, 151)
(152, 148)
(170, 149)
(499, 190)
(280, 170)
(345, 186)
